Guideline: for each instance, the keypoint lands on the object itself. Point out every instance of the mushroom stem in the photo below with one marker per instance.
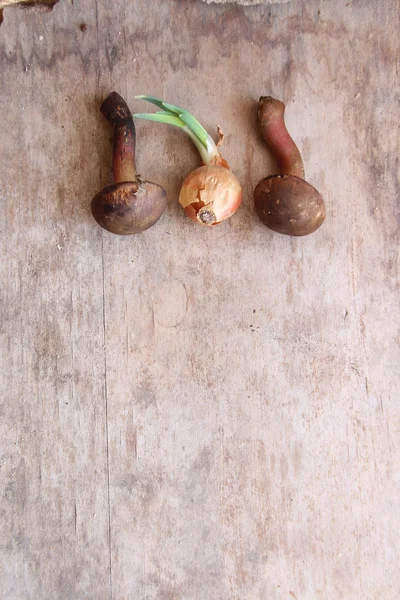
(115, 109)
(272, 127)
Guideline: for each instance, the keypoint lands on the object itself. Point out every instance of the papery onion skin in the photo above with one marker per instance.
(210, 194)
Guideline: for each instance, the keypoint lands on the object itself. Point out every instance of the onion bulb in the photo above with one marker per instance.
(210, 194)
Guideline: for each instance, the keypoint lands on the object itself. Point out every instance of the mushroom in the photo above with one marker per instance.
(285, 203)
(130, 205)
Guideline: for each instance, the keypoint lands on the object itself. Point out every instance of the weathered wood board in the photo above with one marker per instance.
(199, 414)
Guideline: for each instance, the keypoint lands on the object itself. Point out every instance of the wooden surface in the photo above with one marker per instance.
(199, 414)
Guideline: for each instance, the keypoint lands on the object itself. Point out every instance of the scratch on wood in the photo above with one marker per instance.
(106, 415)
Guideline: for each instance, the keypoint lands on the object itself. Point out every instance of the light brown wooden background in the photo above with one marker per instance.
(199, 414)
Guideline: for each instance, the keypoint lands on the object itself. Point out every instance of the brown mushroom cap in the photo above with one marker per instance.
(129, 207)
(289, 205)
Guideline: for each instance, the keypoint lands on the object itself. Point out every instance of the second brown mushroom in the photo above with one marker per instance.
(285, 202)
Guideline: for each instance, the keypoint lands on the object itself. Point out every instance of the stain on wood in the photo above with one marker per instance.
(191, 413)
(26, 4)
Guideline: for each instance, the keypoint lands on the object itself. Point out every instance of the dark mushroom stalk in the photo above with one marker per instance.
(130, 205)
(286, 202)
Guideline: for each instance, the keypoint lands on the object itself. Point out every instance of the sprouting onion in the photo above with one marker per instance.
(211, 193)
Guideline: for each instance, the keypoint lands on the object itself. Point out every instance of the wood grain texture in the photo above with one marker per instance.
(192, 413)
